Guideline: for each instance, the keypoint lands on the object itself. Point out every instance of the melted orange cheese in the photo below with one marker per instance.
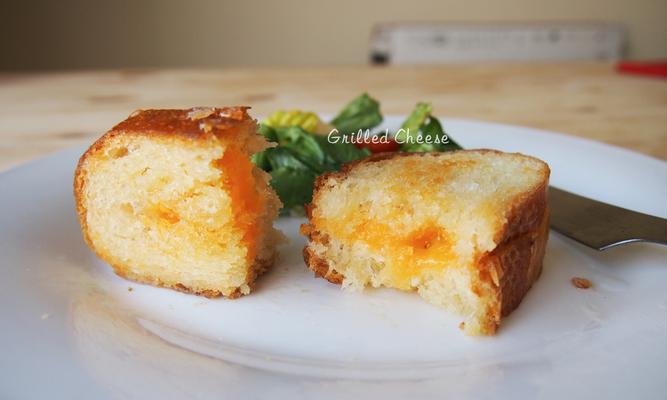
(166, 214)
(247, 202)
(427, 248)
(158, 214)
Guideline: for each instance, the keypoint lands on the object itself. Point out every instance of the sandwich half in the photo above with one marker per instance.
(466, 230)
(171, 198)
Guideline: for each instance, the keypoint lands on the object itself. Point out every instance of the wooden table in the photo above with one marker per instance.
(41, 113)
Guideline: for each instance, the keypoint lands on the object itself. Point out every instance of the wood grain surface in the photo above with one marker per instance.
(42, 113)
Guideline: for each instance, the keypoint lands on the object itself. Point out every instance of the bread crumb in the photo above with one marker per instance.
(245, 289)
(198, 113)
(581, 283)
(462, 325)
(129, 289)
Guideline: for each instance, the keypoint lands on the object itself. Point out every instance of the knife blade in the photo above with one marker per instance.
(600, 225)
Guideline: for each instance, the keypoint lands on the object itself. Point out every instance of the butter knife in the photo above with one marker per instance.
(600, 225)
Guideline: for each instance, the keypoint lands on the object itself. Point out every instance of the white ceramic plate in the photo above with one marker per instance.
(71, 328)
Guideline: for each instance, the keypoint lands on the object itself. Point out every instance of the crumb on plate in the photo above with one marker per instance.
(581, 283)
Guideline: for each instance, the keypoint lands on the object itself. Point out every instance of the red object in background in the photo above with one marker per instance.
(379, 147)
(652, 68)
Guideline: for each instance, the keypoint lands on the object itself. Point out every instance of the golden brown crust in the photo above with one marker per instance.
(317, 264)
(510, 270)
(194, 124)
(257, 269)
(320, 267)
(505, 274)
(527, 212)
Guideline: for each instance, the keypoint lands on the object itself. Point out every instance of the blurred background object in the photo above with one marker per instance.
(415, 43)
(95, 34)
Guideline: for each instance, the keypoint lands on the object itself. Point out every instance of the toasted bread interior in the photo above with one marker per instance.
(191, 213)
(428, 223)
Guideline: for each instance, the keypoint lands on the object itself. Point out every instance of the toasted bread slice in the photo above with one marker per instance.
(465, 229)
(171, 198)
